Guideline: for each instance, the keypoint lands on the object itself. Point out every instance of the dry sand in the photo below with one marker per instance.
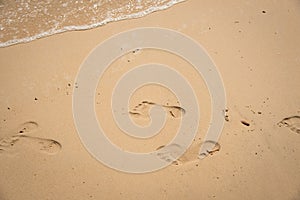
(256, 47)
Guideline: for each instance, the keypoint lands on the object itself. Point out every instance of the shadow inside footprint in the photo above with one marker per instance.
(293, 123)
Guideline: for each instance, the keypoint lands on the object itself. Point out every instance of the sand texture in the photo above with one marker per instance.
(256, 48)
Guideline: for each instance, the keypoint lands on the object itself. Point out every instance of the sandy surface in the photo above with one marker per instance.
(256, 47)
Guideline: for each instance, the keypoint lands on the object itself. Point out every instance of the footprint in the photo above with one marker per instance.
(142, 110)
(8, 142)
(47, 146)
(215, 149)
(293, 123)
(170, 152)
(21, 137)
(192, 154)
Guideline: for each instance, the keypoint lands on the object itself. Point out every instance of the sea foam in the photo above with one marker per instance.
(28, 20)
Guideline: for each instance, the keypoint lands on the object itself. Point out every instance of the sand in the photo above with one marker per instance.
(256, 47)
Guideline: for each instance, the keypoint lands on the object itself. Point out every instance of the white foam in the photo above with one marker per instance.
(95, 24)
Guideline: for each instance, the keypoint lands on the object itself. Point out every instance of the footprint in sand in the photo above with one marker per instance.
(21, 139)
(143, 108)
(170, 152)
(7, 143)
(293, 123)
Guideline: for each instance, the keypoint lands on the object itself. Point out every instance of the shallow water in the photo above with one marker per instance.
(27, 20)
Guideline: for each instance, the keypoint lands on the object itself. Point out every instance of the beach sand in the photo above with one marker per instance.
(255, 46)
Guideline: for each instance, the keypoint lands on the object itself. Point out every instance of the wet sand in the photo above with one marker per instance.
(256, 47)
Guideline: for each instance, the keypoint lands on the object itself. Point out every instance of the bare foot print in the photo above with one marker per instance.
(7, 142)
(47, 146)
(215, 149)
(170, 152)
(293, 123)
(142, 110)
(23, 140)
